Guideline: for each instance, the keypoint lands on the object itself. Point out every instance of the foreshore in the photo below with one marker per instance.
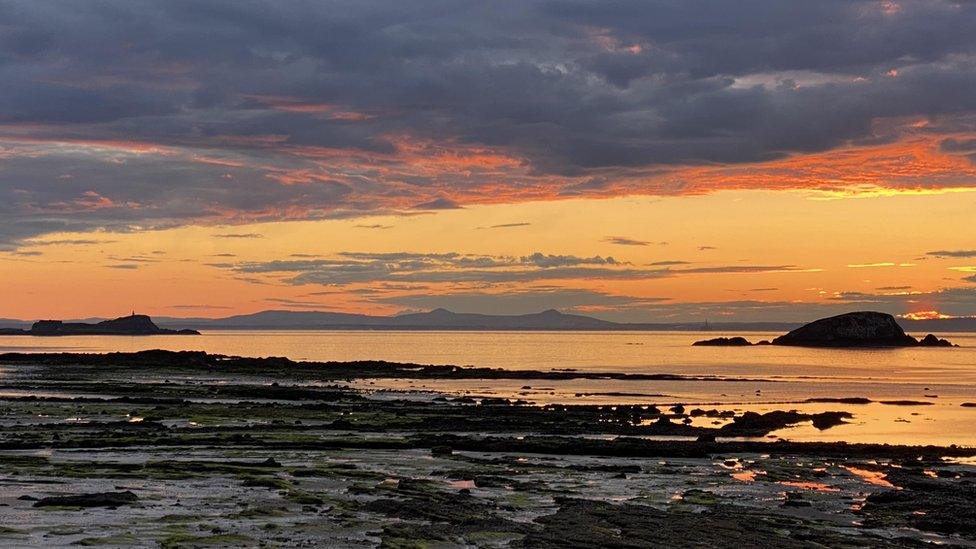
(218, 450)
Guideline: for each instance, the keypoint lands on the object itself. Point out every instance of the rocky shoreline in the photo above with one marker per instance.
(191, 449)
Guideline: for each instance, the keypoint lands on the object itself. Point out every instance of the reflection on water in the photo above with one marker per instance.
(783, 376)
(594, 351)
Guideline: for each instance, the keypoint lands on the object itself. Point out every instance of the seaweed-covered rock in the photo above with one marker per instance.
(100, 499)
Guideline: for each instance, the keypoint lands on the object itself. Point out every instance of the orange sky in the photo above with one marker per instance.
(799, 247)
(635, 161)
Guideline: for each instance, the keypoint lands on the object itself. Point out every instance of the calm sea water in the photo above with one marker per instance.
(785, 376)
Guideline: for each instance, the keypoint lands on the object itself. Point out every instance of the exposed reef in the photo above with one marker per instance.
(197, 450)
(723, 342)
(161, 360)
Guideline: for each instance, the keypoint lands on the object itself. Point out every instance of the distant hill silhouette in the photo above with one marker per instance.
(438, 319)
(443, 319)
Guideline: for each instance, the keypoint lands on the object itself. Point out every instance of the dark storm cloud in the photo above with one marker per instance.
(568, 88)
(958, 145)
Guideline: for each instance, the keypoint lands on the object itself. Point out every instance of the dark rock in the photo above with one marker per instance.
(756, 424)
(842, 400)
(101, 499)
(932, 341)
(932, 505)
(795, 499)
(126, 325)
(441, 451)
(860, 329)
(723, 342)
(591, 524)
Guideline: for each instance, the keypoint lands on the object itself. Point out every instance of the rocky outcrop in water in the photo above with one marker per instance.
(723, 342)
(933, 341)
(860, 329)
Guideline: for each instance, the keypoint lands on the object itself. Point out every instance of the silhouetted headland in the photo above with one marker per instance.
(857, 329)
(127, 325)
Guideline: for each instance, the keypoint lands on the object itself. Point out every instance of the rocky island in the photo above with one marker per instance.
(127, 325)
(857, 329)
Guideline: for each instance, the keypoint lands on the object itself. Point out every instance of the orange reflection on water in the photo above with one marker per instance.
(807, 485)
(745, 476)
(876, 478)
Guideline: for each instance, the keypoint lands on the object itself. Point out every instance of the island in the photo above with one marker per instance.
(856, 329)
(135, 325)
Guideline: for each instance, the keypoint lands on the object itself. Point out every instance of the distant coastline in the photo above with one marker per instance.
(442, 319)
(134, 325)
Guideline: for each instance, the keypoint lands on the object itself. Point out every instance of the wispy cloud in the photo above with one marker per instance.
(624, 241)
(953, 253)
(440, 203)
(507, 225)
(238, 235)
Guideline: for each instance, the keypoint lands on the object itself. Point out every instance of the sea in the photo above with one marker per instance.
(918, 394)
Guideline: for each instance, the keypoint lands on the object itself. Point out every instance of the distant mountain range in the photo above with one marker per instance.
(442, 319)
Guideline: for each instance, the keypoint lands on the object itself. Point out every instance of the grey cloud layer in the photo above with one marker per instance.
(568, 87)
(454, 267)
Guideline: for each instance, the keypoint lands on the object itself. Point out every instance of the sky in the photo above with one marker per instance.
(631, 160)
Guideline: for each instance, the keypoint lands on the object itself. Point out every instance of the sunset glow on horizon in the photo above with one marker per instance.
(618, 160)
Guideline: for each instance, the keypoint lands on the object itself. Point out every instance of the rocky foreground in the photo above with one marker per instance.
(194, 450)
